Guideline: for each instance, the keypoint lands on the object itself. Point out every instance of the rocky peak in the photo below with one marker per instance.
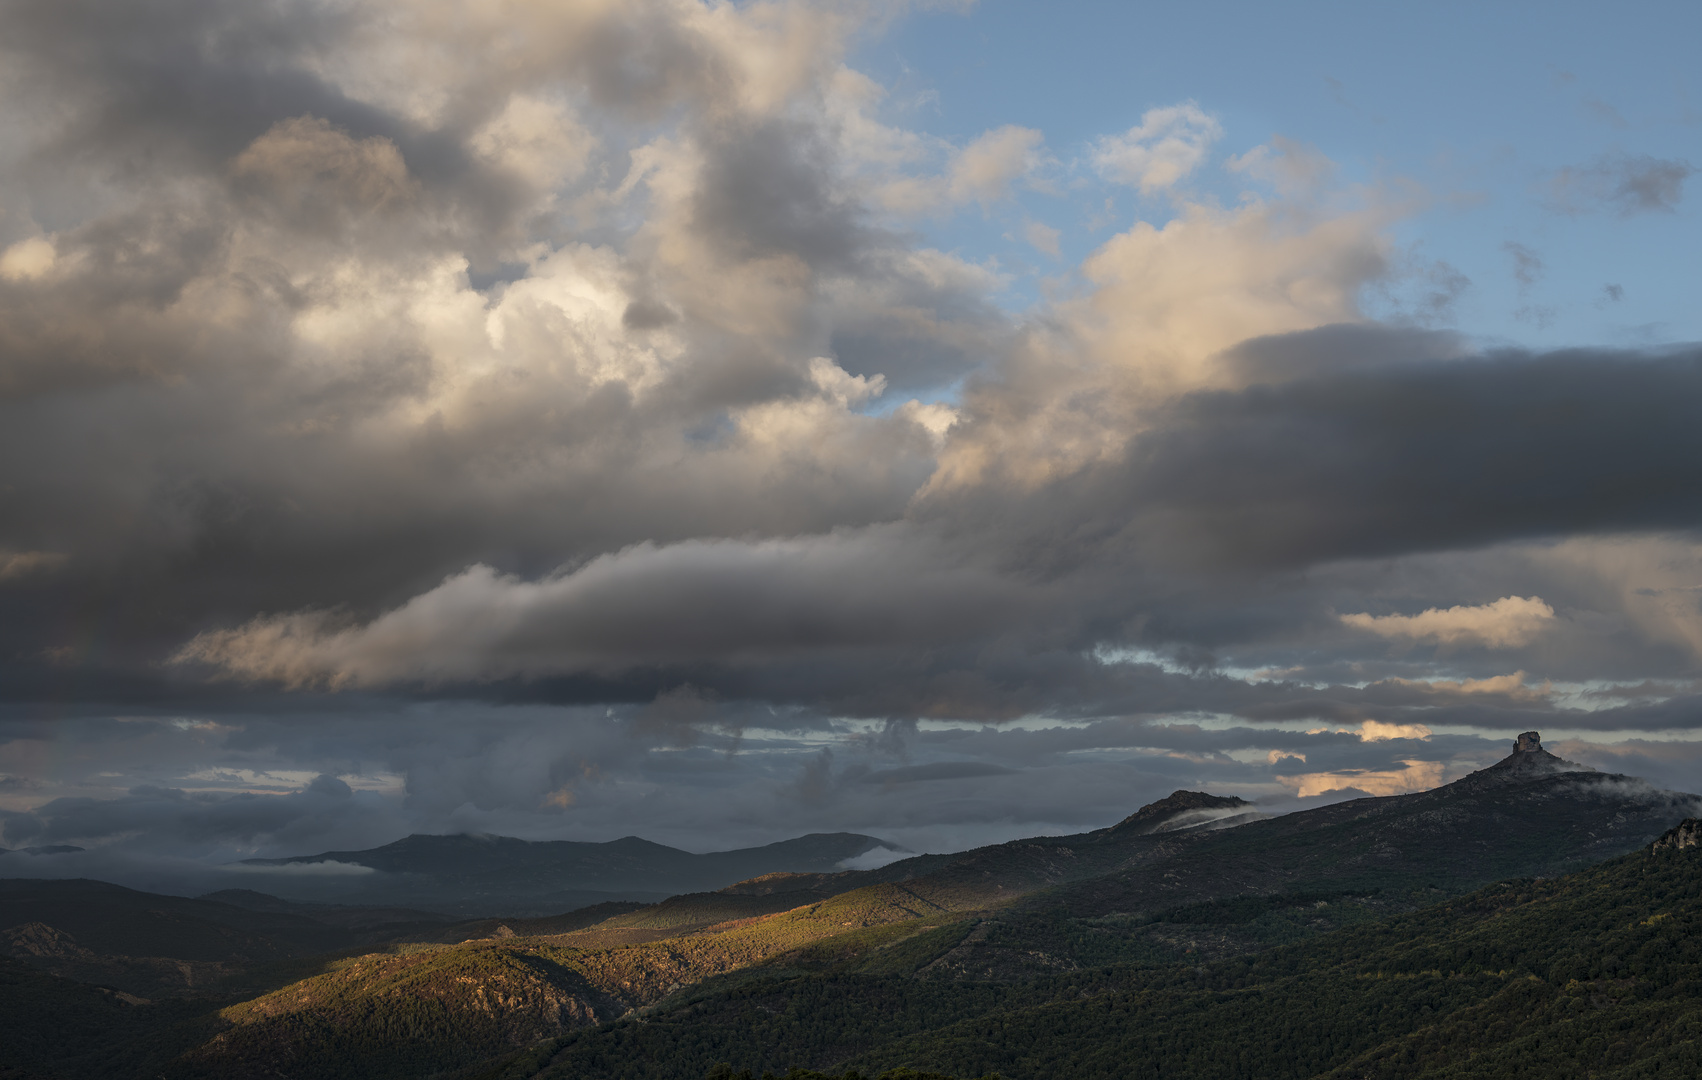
(1528, 762)
(1184, 810)
(1529, 758)
(1686, 834)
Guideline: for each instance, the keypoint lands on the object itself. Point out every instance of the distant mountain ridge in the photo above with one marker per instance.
(501, 875)
(929, 960)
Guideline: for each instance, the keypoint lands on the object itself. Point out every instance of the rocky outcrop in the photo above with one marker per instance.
(1686, 834)
(1529, 760)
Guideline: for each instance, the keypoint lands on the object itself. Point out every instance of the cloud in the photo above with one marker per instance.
(1375, 730)
(1528, 266)
(1412, 776)
(1042, 237)
(981, 172)
(873, 859)
(1161, 150)
(546, 419)
(1627, 184)
(1295, 169)
(984, 169)
(727, 601)
(28, 259)
(322, 868)
(1507, 622)
(1511, 685)
(17, 564)
(1419, 456)
(944, 770)
(306, 168)
(174, 820)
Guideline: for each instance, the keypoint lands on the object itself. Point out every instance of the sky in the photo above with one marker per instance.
(719, 422)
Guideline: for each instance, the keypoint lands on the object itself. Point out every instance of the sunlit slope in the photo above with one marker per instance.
(399, 1012)
(1019, 913)
(627, 961)
(401, 1015)
(1597, 974)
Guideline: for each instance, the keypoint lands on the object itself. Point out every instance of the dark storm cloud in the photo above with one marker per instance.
(1425, 457)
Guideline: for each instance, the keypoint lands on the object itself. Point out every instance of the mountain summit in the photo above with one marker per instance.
(1528, 758)
(1527, 763)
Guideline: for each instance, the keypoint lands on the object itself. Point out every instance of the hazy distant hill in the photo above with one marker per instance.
(500, 875)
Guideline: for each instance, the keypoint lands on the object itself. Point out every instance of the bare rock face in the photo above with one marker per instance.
(1530, 740)
(1686, 834)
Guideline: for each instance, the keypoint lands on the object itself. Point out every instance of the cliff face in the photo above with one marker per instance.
(1686, 834)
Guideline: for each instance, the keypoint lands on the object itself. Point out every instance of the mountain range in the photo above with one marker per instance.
(474, 875)
(1376, 937)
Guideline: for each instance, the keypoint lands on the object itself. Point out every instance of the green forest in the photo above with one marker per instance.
(1597, 974)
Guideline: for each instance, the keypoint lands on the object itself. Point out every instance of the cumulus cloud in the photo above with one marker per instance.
(546, 418)
(1161, 150)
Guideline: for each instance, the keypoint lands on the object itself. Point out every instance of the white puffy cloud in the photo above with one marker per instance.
(1167, 305)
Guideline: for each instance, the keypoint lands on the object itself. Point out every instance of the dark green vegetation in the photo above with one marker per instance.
(476, 876)
(1340, 942)
(1597, 974)
(148, 945)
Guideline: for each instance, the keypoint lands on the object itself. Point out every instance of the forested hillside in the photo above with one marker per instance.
(1597, 974)
(1338, 938)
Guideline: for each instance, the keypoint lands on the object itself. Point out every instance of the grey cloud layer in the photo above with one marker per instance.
(581, 360)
